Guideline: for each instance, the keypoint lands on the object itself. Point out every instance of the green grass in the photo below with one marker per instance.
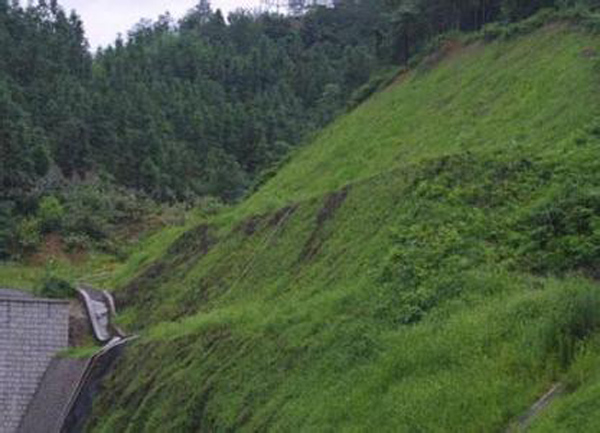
(96, 268)
(20, 276)
(422, 266)
(484, 97)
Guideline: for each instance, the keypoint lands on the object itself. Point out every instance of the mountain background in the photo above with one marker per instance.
(375, 216)
(178, 111)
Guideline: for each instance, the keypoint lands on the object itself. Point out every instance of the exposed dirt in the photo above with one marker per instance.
(195, 242)
(53, 247)
(448, 48)
(253, 224)
(138, 289)
(187, 249)
(332, 203)
(281, 214)
(80, 330)
(400, 79)
(250, 225)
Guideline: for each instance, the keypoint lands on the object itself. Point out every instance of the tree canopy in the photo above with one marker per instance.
(203, 105)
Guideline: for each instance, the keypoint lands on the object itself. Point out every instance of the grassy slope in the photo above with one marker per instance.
(96, 268)
(385, 279)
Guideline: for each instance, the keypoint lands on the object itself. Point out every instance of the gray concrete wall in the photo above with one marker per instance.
(32, 331)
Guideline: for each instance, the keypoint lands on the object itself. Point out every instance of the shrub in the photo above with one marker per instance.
(571, 324)
(56, 288)
(493, 31)
(89, 211)
(29, 234)
(563, 232)
(50, 214)
(77, 242)
(6, 229)
(426, 266)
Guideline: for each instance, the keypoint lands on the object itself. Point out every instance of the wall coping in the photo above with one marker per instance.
(33, 300)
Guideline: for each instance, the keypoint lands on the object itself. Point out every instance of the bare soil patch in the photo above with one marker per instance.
(331, 205)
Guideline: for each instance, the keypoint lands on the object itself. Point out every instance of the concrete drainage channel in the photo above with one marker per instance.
(63, 400)
(101, 309)
(79, 406)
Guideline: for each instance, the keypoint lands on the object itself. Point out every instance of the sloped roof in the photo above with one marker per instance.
(47, 410)
(12, 293)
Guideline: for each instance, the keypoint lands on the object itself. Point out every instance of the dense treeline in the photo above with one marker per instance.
(200, 106)
(414, 22)
(196, 107)
(179, 109)
(45, 75)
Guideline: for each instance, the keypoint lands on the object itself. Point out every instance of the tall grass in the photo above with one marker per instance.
(430, 272)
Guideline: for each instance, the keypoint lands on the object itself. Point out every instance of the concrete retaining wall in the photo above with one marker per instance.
(32, 331)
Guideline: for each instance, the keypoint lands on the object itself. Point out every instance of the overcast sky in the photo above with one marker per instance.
(104, 19)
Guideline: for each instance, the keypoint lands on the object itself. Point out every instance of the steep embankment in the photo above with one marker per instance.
(422, 266)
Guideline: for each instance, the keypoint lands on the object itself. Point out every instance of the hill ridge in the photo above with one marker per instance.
(424, 258)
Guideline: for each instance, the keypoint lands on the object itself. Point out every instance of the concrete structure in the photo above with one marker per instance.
(32, 331)
(101, 309)
(49, 408)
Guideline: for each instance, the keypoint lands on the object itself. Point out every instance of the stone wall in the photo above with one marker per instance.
(32, 331)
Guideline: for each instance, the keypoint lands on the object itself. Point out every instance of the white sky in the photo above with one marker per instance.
(104, 19)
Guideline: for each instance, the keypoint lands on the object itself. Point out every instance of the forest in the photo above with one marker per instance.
(179, 110)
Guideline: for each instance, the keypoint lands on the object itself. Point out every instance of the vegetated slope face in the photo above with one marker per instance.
(422, 266)
(529, 92)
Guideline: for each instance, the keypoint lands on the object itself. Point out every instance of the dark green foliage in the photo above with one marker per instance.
(51, 214)
(6, 229)
(564, 231)
(486, 211)
(84, 216)
(56, 288)
(23, 156)
(414, 307)
(413, 24)
(429, 263)
(179, 111)
(201, 106)
(204, 106)
(44, 70)
(96, 211)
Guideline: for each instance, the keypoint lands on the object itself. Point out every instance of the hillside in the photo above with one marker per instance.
(428, 263)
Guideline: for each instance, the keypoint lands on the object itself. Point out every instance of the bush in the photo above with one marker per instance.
(88, 212)
(426, 266)
(571, 324)
(563, 231)
(208, 206)
(6, 229)
(497, 30)
(29, 234)
(50, 214)
(75, 242)
(57, 288)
